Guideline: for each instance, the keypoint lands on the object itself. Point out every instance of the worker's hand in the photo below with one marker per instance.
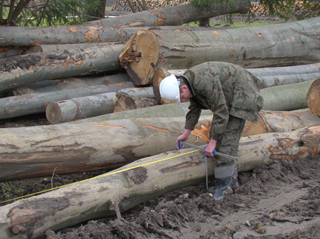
(211, 146)
(184, 137)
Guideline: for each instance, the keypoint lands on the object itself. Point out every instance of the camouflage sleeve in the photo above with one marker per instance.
(213, 92)
(192, 116)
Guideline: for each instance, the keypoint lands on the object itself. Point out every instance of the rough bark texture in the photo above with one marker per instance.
(78, 147)
(250, 47)
(29, 68)
(142, 180)
(72, 83)
(313, 97)
(176, 15)
(89, 106)
(36, 103)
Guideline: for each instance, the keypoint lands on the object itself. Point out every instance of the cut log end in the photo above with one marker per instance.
(140, 56)
(53, 113)
(313, 97)
(255, 129)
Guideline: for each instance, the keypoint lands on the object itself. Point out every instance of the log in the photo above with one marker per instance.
(35, 67)
(313, 97)
(72, 83)
(143, 180)
(15, 106)
(89, 106)
(249, 47)
(172, 16)
(126, 102)
(37, 151)
(281, 121)
(286, 97)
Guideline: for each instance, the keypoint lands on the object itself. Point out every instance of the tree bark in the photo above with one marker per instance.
(72, 83)
(78, 147)
(313, 97)
(176, 15)
(29, 68)
(126, 102)
(36, 103)
(43, 36)
(144, 179)
(89, 106)
(281, 121)
(249, 47)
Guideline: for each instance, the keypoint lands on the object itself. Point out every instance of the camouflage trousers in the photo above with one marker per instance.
(228, 142)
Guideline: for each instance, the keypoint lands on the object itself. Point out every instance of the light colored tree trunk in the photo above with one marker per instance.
(55, 65)
(78, 147)
(142, 180)
(313, 97)
(124, 102)
(89, 106)
(249, 47)
(176, 15)
(15, 106)
(72, 83)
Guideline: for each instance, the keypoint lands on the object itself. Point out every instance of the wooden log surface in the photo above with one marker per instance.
(36, 103)
(249, 47)
(124, 102)
(29, 68)
(313, 97)
(89, 106)
(143, 180)
(77, 147)
(72, 83)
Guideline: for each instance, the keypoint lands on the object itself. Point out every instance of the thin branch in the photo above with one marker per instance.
(43, 11)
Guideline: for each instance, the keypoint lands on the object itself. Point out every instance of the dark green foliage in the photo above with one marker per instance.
(47, 12)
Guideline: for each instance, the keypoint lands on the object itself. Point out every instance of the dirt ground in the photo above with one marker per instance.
(281, 200)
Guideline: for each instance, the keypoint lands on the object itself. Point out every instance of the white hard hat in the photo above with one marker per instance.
(169, 88)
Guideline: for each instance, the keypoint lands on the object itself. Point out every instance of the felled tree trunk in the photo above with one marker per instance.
(249, 47)
(36, 103)
(142, 180)
(176, 15)
(72, 83)
(313, 97)
(126, 102)
(281, 121)
(89, 106)
(79, 147)
(29, 68)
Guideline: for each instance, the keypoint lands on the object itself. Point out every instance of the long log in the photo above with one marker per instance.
(143, 180)
(249, 47)
(125, 102)
(15, 106)
(72, 83)
(176, 15)
(89, 106)
(313, 97)
(29, 68)
(77, 147)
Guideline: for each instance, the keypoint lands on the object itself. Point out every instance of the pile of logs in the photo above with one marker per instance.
(118, 120)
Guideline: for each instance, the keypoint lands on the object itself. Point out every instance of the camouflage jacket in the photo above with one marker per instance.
(224, 88)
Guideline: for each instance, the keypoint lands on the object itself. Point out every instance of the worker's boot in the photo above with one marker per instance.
(226, 180)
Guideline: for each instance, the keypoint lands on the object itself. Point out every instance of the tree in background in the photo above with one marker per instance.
(46, 12)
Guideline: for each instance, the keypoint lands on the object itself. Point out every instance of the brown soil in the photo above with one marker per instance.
(281, 200)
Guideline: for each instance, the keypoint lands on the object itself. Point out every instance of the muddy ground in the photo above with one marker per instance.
(281, 200)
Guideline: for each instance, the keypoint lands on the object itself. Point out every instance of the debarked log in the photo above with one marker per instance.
(89, 106)
(36, 103)
(143, 180)
(249, 47)
(35, 67)
(77, 147)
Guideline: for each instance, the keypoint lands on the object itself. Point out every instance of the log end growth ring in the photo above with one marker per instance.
(140, 56)
(313, 97)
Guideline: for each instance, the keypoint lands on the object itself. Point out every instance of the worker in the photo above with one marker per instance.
(233, 95)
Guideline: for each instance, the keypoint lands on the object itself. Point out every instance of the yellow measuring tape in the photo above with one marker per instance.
(100, 176)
